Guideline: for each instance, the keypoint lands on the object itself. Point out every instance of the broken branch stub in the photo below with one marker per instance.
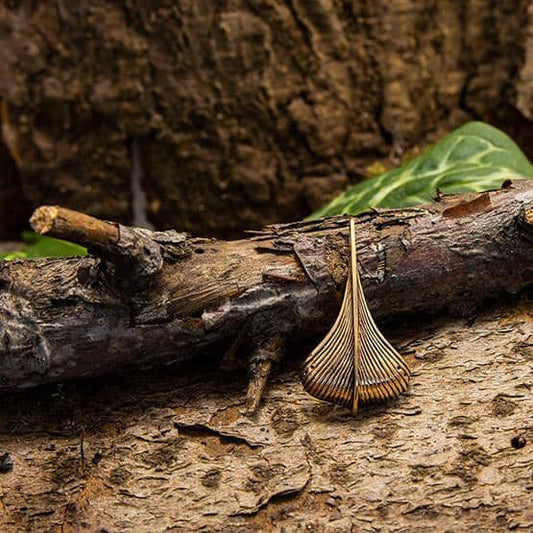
(133, 252)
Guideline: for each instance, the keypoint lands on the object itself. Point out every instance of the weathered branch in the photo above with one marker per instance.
(133, 251)
(69, 318)
(70, 225)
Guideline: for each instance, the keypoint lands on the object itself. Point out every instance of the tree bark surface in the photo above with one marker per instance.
(232, 115)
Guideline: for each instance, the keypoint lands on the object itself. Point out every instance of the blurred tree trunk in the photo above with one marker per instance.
(245, 113)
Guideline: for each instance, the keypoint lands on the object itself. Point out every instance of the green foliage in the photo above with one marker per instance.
(475, 157)
(42, 246)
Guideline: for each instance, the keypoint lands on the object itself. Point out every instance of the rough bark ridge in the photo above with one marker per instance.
(159, 296)
(261, 110)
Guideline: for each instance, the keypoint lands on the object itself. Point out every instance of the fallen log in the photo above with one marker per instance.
(157, 297)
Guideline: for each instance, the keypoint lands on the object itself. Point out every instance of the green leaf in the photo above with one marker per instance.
(42, 246)
(475, 157)
(9, 256)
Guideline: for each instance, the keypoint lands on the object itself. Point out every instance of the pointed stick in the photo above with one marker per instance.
(260, 364)
(259, 372)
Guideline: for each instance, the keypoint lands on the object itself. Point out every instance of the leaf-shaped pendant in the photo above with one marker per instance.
(354, 363)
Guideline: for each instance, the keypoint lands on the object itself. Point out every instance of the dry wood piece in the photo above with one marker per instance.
(71, 318)
(77, 227)
(133, 251)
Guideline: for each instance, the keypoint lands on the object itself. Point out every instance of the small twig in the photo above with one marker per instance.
(259, 372)
(260, 365)
(130, 250)
(77, 227)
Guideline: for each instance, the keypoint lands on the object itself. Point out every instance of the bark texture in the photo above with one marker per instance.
(236, 114)
(161, 297)
(171, 451)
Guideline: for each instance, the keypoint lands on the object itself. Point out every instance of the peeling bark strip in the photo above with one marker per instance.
(70, 318)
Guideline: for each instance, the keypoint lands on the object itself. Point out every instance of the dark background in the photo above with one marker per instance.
(234, 114)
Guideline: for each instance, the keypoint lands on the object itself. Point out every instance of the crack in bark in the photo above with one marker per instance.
(202, 430)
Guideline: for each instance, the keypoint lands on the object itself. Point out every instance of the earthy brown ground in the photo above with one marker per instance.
(171, 450)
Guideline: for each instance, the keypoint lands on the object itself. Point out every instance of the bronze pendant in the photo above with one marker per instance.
(354, 363)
